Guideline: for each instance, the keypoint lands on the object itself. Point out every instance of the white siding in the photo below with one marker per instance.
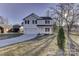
(30, 28)
(34, 29)
(42, 30)
(31, 31)
(42, 22)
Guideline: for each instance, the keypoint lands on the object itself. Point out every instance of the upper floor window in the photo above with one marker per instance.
(34, 21)
(47, 22)
(26, 21)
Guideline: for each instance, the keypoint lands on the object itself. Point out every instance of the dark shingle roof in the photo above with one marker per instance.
(44, 25)
(45, 18)
(38, 18)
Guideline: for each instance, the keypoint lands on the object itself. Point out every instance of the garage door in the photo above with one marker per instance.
(31, 31)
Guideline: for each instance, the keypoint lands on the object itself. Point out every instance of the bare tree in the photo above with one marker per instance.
(66, 14)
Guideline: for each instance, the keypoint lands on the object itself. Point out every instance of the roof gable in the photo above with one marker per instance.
(32, 15)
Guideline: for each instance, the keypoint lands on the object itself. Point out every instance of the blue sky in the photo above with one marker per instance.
(15, 12)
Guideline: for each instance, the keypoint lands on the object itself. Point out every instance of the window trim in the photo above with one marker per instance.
(47, 21)
(47, 29)
(34, 21)
(26, 21)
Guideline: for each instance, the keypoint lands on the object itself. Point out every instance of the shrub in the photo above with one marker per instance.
(61, 38)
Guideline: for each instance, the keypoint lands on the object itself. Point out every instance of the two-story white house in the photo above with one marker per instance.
(34, 24)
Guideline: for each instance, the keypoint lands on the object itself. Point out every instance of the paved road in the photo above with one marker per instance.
(16, 40)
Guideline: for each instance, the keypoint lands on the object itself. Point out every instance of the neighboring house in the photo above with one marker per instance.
(4, 26)
(34, 24)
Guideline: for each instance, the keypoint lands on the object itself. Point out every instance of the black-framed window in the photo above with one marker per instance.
(47, 29)
(34, 21)
(47, 21)
(26, 21)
